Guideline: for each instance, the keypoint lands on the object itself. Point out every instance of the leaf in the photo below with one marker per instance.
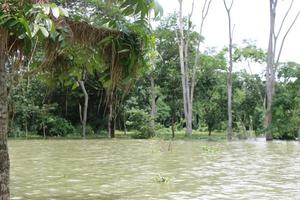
(50, 25)
(158, 9)
(36, 28)
(25, 24)
(61, 38)
(46, 9)
(128, 11)
(123, 51)
(21, 37)
(44, 31)
(13, 22)
(74, 86)
(106, 40)
(4, 19)
(63, 12)
(55, 10)
(89, 69)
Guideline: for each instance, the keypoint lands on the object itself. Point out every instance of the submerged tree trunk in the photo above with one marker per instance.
(4, 157)
(187, 84)
(111, 126)
(273, 59)
(44, 131)
(153, 106)
(270, 72)
(229, 73)
(85, 109)
(184, 73)
(173, 128)
(26, 129)
(173, 124)
(66, 104)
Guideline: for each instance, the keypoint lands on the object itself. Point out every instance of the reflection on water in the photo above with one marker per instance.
(126, 169)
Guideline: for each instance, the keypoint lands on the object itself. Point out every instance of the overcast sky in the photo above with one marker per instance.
(251, 20)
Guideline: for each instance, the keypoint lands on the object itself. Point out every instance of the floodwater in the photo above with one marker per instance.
(153, 169)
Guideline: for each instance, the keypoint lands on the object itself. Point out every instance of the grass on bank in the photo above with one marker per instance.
(162, 134)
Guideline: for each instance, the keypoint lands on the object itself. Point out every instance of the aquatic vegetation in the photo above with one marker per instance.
(161, 179)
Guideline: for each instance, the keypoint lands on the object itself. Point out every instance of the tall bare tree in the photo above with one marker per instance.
(228, 8)
(183, 46)
(273, 58)
(204, 14)
(188, 83)
(153, 92)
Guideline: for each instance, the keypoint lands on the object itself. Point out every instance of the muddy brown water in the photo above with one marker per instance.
(153, 169)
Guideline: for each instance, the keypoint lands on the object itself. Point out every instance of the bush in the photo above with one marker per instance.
(57, 126)
(164, 131)
(139, 120)
(15, 131)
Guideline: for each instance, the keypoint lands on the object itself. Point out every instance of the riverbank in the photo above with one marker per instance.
(160, 134)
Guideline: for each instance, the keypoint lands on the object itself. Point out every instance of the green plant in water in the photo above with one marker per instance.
(161, 179)
(210, 149)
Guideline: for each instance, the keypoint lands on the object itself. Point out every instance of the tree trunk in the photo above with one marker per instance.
(44, 131)
(204, 14)
(124, 124)
(173, 124)
(173, 115)
(229, 73)
(273, 60)
(244, 129)
(85, 108)
(26, 129)
(153, 106)
(251, 124)
(4, 157)
(229, 107)
(111, 131)
(184, 76)
(270, 73)
(66, 103)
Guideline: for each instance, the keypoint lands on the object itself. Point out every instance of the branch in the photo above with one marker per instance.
(285, 35)
(283, 20)
(232, 31)
(226, 6)
(189, 19)
(192, 11)
(205, 8)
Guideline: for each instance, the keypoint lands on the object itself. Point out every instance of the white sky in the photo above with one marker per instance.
(251, 20)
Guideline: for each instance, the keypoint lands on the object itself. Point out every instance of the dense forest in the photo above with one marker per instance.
(72, 68)
(77, 87)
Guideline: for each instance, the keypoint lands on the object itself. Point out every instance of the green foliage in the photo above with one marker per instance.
(31, 113)
(139, 120)
(57, 126)
(248, 100)
(249, 52)
(26, 21)
(286, 108)
(125, 59)
(211, 89)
